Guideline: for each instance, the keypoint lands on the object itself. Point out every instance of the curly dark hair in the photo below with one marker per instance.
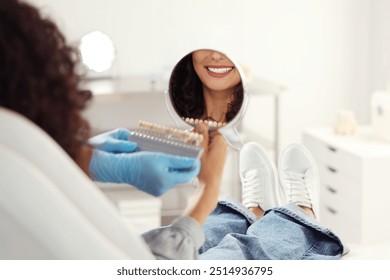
(184, 89)
(38, 77)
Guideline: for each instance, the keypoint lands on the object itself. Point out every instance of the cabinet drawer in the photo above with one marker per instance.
(347, 208)
(348, 230)
(349, 188)
(337, 159)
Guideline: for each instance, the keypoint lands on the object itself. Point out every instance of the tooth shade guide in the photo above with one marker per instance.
(210, 123)
(177, 134)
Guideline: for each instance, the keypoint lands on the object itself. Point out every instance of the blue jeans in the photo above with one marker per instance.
(284, 233)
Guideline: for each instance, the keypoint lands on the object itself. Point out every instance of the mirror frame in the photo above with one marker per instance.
(232, 124)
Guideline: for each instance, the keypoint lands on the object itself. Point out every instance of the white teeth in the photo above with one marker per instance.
(219, 70)
(209, 123)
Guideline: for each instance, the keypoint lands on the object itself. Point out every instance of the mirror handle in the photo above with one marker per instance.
(233, 138)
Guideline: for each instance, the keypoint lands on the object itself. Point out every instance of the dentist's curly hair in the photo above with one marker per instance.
(37, 76)
(186, 90)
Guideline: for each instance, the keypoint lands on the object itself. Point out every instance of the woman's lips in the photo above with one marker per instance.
(219, 71)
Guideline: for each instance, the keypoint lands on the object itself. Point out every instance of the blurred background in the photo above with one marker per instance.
(305, 62)
(329, 54)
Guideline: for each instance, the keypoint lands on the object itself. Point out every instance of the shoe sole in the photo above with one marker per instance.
(276, 188)
(316, 190)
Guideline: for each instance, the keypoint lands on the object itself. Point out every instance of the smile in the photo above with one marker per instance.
(219, 70)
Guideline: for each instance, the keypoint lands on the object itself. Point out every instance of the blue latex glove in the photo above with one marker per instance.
(116, 141)
(154, 173)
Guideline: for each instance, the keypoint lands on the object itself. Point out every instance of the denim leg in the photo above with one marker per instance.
(283, 233)
(288, 233)
(228, 217)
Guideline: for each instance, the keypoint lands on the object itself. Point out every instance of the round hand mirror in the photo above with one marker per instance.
(207, 86)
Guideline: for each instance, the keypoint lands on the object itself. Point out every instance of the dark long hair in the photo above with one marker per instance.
(186, 90)
(37, 76)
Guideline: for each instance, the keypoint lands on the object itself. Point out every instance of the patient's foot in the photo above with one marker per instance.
(299, 178)
(260, 189)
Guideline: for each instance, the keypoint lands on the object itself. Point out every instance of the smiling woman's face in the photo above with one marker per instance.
(215, 70)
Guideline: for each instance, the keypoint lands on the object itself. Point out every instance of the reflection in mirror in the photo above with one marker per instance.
(206, 86)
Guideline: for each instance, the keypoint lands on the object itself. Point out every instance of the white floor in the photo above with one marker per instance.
(374, 251)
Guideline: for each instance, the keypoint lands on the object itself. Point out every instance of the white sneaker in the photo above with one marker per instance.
(299, 177)
(258, 178)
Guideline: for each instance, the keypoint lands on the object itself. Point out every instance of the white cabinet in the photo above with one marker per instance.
(355, 183)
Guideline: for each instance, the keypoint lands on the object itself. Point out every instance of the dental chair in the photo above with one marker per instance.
(49, 209)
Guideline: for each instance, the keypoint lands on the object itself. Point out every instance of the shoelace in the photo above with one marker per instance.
(252, 194)
(297, 192)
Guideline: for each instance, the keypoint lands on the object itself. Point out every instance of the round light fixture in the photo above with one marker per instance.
(97, 51)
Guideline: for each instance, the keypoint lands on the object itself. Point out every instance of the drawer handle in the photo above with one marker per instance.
(331, 169)
(332, 190)
(332, 149)
(331, 210)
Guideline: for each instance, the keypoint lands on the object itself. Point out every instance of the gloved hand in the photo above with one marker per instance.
(154, 173)
(115, 141)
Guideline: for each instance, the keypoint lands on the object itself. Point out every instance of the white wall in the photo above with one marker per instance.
(319, 49)
(380, 63)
